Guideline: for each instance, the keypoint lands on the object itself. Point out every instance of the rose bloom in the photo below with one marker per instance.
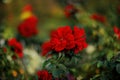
(46, 47)
(70, 10)
(28, 27)
(17, 47)
(64, 39)
(44, 75)
(80, 39)
(117, 31)
(98, 17)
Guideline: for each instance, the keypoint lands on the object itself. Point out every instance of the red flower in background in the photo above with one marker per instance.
(4, 50)
(28, 27)
(98, 17)
(117, 31)
(80, 39)
(27, 7)
(70, 10)
(44, 75)
(65, 39)
(17, 46)
(118, 9)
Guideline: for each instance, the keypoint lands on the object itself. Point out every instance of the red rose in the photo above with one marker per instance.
(44, 75)
(80, 39)
(28, 27)
(98, 17)
(62, 39)
(17, 46)
(65, 39)
(70, 10)
(12, 42)
(117, 31)
(46, 47)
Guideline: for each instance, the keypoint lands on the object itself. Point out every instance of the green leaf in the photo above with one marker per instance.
(63, 67)
(99, 64)
(118, 60)
(110, 55)
(56, 73)
(46, 63)
(118, 68)
(95, 77)
(36, 77)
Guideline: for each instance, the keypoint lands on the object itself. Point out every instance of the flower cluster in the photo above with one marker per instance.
(70, 10)
(44, 75)
(66, 39)
(98, 17)
(28, 27)
(117, 32)
(17, 47)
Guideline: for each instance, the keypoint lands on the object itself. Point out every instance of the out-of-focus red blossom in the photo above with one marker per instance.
(118, 9)
(4, 50)
(44, 75)
(65, 39)
(17, 46)
(28, 27)
(98, 17)
(27, 7)
(70, 77)
(117, 31)
(10, 17)
(14, 57)
(70, 10)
